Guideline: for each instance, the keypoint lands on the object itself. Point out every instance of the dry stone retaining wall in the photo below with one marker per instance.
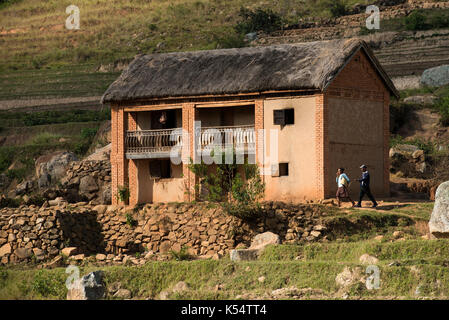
(29, 233)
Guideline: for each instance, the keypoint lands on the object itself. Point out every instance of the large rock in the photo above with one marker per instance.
(89, 287)
(52, 167)
(24, 187)
(436, 77)
(263, 239)
(409, 160)
(421, 100)
(439, 220)
(257, 245)
(88, 186)
(4, 250)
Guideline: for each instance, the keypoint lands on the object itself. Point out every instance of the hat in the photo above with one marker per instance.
(363, 166)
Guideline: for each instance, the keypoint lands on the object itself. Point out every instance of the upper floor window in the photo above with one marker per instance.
(284, 117)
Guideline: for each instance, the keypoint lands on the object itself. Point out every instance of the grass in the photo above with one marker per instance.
(318, 268)
(73, 137)
(110, 32)
(417, 263)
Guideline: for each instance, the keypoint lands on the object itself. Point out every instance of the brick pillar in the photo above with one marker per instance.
(189, 114)
(118, 161)
(386, 133)
(258, 125)
(133, 182)
(321, 146)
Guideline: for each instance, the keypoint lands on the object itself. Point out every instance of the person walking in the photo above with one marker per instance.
(364, 187)
(343, 184)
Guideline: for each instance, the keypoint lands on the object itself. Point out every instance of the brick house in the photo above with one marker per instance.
(328, 101)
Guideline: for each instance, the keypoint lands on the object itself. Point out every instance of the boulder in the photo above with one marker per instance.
(123, 294)
(106, 195)
(439, 220)
(88, 185)
(23, 253)
(4, 250)
(408, 159)
(244, 254)
(421, 100)
(89, 287)
(24, 187)
(436, 77)
(263, 239)
(52, 167)
(69, 251)
(367, 259)
(257, 245)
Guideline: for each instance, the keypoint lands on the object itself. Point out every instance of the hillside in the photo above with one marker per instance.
(42, 59)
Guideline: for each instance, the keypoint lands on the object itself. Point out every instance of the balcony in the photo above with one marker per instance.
(152, 144)
(157, 144)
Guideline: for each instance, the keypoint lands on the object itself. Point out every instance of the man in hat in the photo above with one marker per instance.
(364, 187)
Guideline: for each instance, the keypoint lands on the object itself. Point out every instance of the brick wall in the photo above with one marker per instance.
(359, 83)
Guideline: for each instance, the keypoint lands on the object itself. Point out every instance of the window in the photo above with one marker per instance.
(160, 169)
(279, 170)
(284, 116)
(283, 169)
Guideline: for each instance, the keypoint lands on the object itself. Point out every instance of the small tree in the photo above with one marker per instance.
(415, 21)
(259, 20)
(238, 193)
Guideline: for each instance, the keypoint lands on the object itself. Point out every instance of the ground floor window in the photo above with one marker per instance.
(160, 169)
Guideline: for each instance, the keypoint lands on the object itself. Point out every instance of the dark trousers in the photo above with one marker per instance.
(367, 191)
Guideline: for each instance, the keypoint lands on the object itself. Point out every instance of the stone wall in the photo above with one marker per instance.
(37, 234)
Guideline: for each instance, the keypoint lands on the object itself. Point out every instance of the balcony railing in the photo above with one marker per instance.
(242, 137)
(158, 143)
(152, 142)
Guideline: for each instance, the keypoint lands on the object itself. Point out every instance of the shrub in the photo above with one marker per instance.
(237, 194)
(364, 31)
(426, 146)
(49, 284)
(259, 20)
(182, 255)
(10, 202)
(415, 21)
(6, 157)
(130, 221)
(123, 193)
(442, 106)
(232, 40)
(439, 21)
(337, 8)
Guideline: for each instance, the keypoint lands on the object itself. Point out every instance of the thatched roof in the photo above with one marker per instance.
(311, 65)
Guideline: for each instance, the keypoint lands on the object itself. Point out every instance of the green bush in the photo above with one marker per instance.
(6, 158)
(442, 106)
(49, 284)
(123, 193)
(238, 193)
(182, 255)
(426, 146)
(10, 202)
(415, 21)
(439, 21)
(259, 20)
(337, 8)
